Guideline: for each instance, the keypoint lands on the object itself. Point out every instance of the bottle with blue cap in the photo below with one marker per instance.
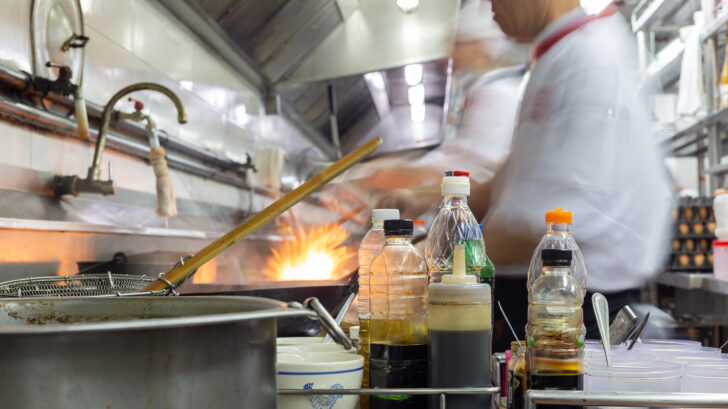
(454, 224)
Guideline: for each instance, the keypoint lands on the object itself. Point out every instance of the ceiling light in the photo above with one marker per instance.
(241, 114)
(408, 6)
(416, 95)
(417, 113)
(413, 74)
(376, 79)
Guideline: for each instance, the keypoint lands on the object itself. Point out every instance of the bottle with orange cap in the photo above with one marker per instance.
(558, 237)
(556, 288)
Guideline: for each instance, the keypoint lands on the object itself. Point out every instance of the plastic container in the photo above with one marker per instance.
(370, 246)
(635, 376)
(706, 378)
(460, 335)
(682, 342)
(397, 331)
(454, 224)
(558, 236)
(720, 259)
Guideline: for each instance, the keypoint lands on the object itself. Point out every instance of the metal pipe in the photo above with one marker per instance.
(491, 390)
(95, 169)
(651, 399)
(51, 120)
(45, 121)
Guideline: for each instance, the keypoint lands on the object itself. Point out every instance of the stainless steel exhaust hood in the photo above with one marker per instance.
(299, 49)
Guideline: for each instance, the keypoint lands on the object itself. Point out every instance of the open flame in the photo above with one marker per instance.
(315, 253)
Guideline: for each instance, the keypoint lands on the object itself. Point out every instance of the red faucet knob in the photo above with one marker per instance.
(138, 105)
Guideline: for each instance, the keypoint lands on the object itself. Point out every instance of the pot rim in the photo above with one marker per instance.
(269, 309)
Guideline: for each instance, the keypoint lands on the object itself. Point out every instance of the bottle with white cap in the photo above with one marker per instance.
(370, 246)
(454, 224)
(459, 329)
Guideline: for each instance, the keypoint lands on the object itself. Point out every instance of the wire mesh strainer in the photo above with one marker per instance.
(87, 285)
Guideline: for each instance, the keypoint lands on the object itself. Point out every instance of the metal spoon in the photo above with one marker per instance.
(601, 312)
(638, 331)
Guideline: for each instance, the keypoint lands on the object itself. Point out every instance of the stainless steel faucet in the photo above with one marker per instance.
(63, 185)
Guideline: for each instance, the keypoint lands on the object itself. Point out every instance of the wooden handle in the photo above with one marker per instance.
(178, 273)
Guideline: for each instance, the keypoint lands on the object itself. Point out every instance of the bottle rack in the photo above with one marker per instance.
(691, 249)
(549, 397)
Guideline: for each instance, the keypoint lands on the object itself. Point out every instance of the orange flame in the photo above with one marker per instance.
(316, 253)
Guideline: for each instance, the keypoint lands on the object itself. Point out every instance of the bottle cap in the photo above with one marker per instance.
(556, 258)
(558, 216)
(380, 215)
(418, 222)
(398, 227)
(456, 185)
(461, 173)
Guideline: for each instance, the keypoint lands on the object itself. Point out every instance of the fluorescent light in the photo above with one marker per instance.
(417, 113)
(413, 74)
(416, 95)
(376, 79)
(408, 6)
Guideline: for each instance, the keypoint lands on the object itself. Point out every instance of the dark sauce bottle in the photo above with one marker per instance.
(397, 329)
(460, 335)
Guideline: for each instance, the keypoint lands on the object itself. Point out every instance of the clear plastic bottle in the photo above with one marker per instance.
(397, 331)
(454, 224)
(555, 330)
(559, 237)
(370, 246)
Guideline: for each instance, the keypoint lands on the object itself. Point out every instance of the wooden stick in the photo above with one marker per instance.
(178, 273)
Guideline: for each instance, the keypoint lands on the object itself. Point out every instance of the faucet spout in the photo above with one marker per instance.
(95, 169)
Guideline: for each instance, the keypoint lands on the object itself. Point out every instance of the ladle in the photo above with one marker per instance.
(601, 312)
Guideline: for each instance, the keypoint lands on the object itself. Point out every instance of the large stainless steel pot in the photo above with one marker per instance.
(133, 353)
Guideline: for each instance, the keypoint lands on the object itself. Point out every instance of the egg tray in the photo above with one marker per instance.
(691, 249)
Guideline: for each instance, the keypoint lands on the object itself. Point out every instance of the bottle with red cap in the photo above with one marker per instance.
(454, 224)
(558, 237)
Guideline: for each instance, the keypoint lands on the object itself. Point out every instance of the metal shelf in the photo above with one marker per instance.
(693, 281)
(693, 133)
(715, 27)
(650, 13)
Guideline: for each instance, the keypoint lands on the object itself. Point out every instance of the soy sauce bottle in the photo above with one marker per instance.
(397, 329)
(555, 330)
(460, 335)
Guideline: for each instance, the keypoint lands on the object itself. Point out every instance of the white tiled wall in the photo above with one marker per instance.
(134, 41)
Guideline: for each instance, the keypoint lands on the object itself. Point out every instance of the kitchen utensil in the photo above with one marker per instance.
(179, 273)
(601, 312)
(319, 371)
(139, 352)
(638, 331)
(505, 317)
(332, 294)
(623, 325)
(341, 314)
(298, 340)
(109, 284)
(57, 36)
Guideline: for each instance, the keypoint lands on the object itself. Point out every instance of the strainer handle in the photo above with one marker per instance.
(327, 321)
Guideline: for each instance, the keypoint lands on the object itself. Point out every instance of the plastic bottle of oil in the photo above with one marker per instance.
(370, 246)
(454, 224)
(397, 328)
(555, 330)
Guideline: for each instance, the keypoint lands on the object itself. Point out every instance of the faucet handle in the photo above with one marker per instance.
(138, 105)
